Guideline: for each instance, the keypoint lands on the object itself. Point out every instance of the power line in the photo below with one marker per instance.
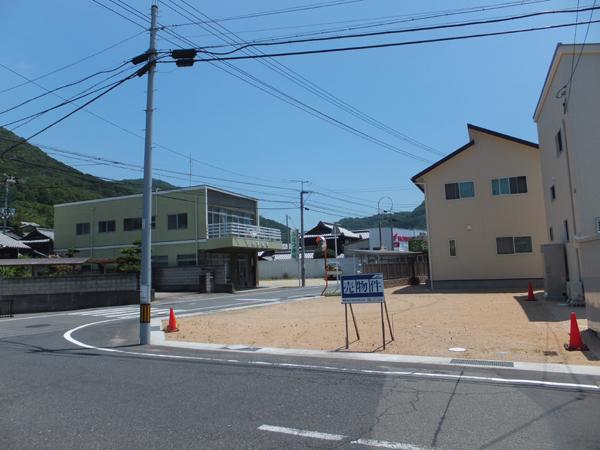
(89, 102)
(377, 22)
(401, 31)
(64, 86)
(326, 4)
(302, 105)
(390, 44)
(71, 64)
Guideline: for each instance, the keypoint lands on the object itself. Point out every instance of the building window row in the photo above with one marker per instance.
(508, 245)
(511, 185)
(186, 260)
(178, 221)
(500, 186)
(464, 189)
(226, 215)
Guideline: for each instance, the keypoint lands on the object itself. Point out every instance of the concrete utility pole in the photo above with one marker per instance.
(8, 180)
(302, 268)
(146, 275)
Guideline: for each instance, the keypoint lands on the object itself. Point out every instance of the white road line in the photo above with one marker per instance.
(494, 380)
(340, 437)
(387, 444)
(303, 433)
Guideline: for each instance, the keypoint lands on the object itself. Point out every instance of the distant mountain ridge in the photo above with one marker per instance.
(42, 182)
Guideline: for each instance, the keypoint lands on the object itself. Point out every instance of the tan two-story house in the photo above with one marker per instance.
(485, 211)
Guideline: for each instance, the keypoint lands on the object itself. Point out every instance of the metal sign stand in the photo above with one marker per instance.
(365, 288)
(353, 320)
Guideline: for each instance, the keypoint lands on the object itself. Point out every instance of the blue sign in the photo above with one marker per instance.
(366, 288)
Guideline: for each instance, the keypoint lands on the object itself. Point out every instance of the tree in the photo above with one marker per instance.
(131, 258)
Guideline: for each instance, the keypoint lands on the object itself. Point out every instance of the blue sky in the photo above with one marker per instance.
(428, 92)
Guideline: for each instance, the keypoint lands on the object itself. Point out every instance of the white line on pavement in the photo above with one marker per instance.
(459, 377)
(339, 437)
(303, 433)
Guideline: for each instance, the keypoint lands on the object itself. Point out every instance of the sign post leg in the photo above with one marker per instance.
(388, 320)
(354, 320)
(346, 314)
(382, 325)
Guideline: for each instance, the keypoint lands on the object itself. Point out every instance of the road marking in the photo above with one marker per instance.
(303, 433)
(406, 374)
(339, 437)
(258, 299)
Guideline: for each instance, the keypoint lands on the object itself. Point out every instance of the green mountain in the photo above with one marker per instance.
(404, 219)
(43, 181)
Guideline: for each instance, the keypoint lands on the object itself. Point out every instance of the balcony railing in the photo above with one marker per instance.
(219, 230)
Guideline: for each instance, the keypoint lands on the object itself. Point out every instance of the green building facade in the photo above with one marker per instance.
(196, 226)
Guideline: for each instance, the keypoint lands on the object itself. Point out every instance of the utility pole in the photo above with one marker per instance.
(302, 268)
(8, 180)
(146, 275)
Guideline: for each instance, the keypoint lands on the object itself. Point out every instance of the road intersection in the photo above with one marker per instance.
(78, 380)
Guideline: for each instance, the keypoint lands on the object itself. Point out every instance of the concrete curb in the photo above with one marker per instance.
(158, 338)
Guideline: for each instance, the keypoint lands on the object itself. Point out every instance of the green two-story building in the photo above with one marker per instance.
(197, 226)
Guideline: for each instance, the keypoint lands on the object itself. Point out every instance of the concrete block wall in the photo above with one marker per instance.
(188, 278)
(68, 284)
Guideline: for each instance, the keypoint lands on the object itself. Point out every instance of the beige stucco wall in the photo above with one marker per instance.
(476, 222)
(577, 201)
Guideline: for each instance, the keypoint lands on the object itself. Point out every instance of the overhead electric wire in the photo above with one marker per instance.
(71, 64)
(271, 12)
(89, 102)
(302, 105)
(375, 22)
(64, 86)
(390, 44)
(60, 105)
(404, 30)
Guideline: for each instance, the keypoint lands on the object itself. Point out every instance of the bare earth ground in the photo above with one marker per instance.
(499, 326)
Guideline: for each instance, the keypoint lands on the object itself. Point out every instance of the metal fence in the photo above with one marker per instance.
(416, 267)
(6, 308)
(218, 230)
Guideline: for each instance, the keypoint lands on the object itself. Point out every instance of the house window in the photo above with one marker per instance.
(160, 261)
(153, 224)
(228, 215)
(510, 245)
(553, 192)
(177, 221)
(464, 189)
(559, 143)
(131, 224)
(567, 236)
(107, 226)
(82, 228)
(186, 260)
(551, 234)
(452, 244)
(512, 185)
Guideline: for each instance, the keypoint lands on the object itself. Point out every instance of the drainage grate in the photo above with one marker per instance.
(482, 362)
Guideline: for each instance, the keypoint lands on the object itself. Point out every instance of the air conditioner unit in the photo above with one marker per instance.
(575, 292)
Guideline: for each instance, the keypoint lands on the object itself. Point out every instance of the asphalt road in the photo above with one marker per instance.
(54, 394)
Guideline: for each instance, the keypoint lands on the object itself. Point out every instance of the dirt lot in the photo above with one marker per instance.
(499, 326)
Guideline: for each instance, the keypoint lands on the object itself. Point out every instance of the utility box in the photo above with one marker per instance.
(590, 258)
(555, 271)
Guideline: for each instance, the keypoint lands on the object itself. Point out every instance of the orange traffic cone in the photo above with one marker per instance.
(575, 341)
(530, 296)
(172, 326)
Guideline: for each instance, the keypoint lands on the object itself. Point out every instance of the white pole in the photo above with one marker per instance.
(146, 275)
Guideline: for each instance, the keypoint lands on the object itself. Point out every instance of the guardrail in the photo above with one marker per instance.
(218, 230)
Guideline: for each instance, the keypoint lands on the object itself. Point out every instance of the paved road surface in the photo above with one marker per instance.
(55, 394)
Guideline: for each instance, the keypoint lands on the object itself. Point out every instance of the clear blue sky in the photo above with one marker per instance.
(428, 92)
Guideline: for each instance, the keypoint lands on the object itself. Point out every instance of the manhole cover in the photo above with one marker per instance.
(38, 325)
